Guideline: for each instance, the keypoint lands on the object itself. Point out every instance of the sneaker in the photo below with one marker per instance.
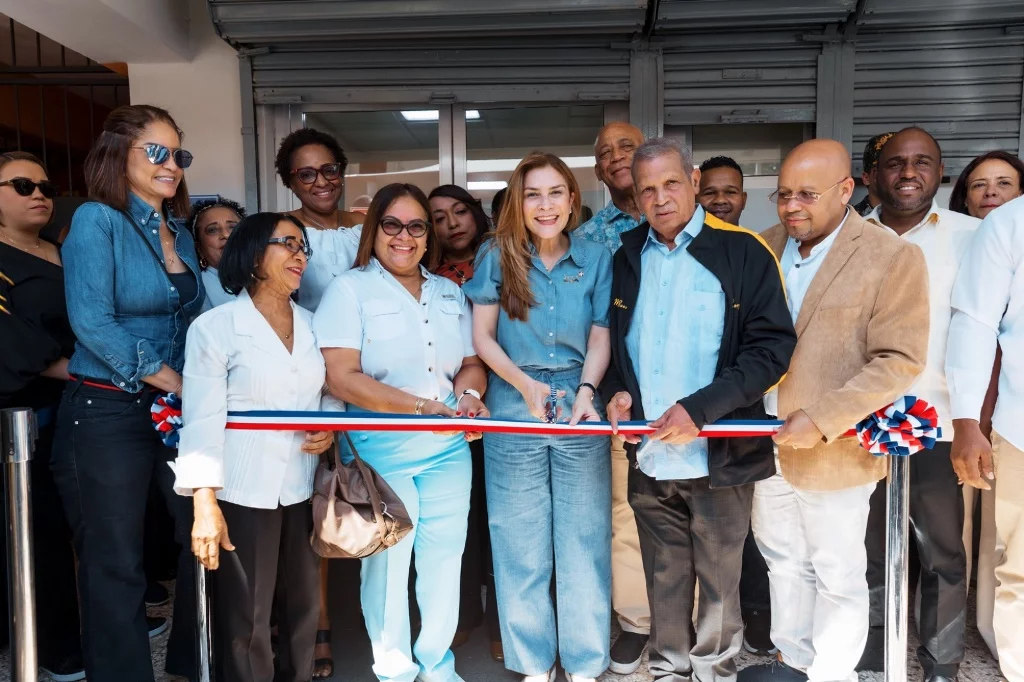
(757, 630)
(157, 594)
(873, 658)
(627, 652)
(71, 669)
(157, 626)
(576, 678)
(549, 676)
(776, 671)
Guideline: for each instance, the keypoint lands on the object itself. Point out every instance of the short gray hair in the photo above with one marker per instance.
(658, 147)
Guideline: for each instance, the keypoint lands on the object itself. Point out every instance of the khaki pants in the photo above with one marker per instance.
(629, 587)
(1009, 607)
(985, 590)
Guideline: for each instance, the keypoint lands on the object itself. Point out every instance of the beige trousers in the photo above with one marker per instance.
(985, 589)
(1008, 615)
(629, 586)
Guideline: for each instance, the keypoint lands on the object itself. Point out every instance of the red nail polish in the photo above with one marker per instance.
(471, 415)
(458, 414)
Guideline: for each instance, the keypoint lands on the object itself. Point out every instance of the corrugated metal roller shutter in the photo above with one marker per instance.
(963, 86)
(743, 78)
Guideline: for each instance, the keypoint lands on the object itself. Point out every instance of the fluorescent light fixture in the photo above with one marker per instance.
(487, 184)
(421, 115)
(472, 114)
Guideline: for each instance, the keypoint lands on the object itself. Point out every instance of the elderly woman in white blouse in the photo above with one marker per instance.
(251, 488)
(398, 339)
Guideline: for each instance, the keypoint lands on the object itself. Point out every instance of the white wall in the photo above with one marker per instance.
(203, 97)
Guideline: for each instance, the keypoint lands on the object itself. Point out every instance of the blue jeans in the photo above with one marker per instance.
(432, 475)
(549, 502)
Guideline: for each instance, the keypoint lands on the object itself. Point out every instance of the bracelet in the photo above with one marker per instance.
(590, 386)
(468, 391)
(420, 402)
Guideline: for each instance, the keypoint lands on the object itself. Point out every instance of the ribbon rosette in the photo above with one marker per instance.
(166, 414)
(907, 426)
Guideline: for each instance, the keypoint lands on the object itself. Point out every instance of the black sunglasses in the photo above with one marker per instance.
(26, 187)
(307, 174)
(293, 245)
(393, 227)
(158, 154)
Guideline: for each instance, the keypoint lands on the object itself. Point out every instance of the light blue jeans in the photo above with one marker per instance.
(549, 503)
(433, 476)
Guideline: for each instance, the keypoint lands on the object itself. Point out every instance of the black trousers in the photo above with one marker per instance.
(477, 568)
(272, 556)
(692, 533)
(58, 629)
(755, 591)
(106, 453)
(936, 523)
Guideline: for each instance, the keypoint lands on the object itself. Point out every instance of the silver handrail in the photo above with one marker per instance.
(897, 515)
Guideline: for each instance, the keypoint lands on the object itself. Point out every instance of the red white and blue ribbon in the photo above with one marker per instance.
(903, 428)
(166, 414)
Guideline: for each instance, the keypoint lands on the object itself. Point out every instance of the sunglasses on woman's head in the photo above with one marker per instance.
(293, 245)
(26, 187)
(158, 154)
(393, 227)
(307, 174)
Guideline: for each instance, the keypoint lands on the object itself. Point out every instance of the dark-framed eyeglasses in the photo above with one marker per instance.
(158, 154)
(307, 174)
(805, 197)
(393, 227)
(26, 187)
(293, 245)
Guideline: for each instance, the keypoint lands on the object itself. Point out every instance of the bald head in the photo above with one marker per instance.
(814, 188)
(613, 150)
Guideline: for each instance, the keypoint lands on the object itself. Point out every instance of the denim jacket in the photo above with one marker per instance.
(123, 308)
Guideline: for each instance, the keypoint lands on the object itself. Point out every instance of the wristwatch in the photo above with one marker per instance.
(470, 391)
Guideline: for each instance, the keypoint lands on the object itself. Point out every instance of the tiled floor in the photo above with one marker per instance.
(352, 656)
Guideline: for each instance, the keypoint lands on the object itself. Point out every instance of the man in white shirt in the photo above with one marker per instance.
(907, 178)
(988, 308)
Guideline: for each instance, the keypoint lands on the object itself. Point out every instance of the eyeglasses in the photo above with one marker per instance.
(26, 187)
(293, 245)
(307, 174)
(158, 154)
(393, 227)
(804, 197)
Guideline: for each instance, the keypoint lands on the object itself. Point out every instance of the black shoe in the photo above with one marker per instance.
(757, 631)
(71, 669)
(940, 678)
(776, 671)
(157, 626)
(627, 652)
(157, 594)
(873, 658)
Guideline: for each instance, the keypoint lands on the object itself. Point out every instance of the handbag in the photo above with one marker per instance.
(356, 514)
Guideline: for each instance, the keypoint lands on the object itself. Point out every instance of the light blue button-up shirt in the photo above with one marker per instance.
(673, 343)
(607, 226)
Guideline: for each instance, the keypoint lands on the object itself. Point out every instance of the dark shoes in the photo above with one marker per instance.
(71, 669)
(157, 626)
(757, 633)
(156, 594)
(627, 652)
(873, 658)
(461, 637)
(497, 651)
(776, 671)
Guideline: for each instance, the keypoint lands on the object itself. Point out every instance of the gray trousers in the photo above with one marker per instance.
(272, 554)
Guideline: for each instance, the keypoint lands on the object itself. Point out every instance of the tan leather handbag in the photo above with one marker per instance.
(356, 514)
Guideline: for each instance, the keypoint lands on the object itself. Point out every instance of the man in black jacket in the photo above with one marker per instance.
(700, 331)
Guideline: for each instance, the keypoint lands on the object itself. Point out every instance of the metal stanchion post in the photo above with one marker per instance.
(204, 628)
(18, 428)
(897, 515)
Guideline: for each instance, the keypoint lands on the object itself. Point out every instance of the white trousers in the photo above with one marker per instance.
(813, 542)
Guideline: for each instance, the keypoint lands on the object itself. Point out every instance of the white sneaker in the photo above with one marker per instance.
(549, 676)
(577, 678)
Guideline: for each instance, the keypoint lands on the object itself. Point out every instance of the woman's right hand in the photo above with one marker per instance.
(537, 395)
(209, 531)
(436, 408)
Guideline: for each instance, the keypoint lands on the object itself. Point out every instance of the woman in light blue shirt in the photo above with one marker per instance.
(211, 223)
(540, 311)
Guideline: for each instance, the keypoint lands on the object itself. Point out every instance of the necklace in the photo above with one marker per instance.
(317, 222)
(37, 245)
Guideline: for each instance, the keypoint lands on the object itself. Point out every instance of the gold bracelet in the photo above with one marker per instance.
(420, 402)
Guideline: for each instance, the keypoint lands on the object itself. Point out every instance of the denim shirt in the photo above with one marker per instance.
(607, 226)
(569, 299)
(123, 308)
(673, 342)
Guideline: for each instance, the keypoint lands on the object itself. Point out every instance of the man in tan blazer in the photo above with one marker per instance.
(859, 299)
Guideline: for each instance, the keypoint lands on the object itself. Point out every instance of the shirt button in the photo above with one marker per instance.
(430, 369)
(551, 355)
(657, 342)
(551, 307)
(172, 288)
(664, 284)
(551, 333)
(702, 307)
(430, 343)
(657, 371)
(156, 215)
(661, 313)
(155, 231)
(426, 321)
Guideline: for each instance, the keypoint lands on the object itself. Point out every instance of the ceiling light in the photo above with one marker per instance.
(421, 115)
(483, 185)
(472, 114)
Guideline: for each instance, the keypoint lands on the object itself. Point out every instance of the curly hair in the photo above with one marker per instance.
(202, 206)
(303, 137)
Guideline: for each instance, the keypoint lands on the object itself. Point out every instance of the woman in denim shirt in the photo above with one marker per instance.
(133, 286)
(541, 324)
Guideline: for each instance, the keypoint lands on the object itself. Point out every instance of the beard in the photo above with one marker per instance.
(889, 197)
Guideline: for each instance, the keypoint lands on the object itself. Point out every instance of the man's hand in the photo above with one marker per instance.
(798, 432)
(971, 454)
(675, 426)
(619, 408)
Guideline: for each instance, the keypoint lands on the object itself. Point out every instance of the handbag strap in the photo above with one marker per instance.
(364, 471)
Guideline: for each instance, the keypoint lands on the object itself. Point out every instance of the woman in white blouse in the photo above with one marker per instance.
(211, 224)
(255, 353)
(398, 339)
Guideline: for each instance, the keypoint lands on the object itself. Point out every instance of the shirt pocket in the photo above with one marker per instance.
(382, 320)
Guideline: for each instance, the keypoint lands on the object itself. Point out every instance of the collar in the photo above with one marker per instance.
(140, 210)
(824, 245)
(611, 212)
(576, 251)
(692, 229)
(427, 275)
(932, 218)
